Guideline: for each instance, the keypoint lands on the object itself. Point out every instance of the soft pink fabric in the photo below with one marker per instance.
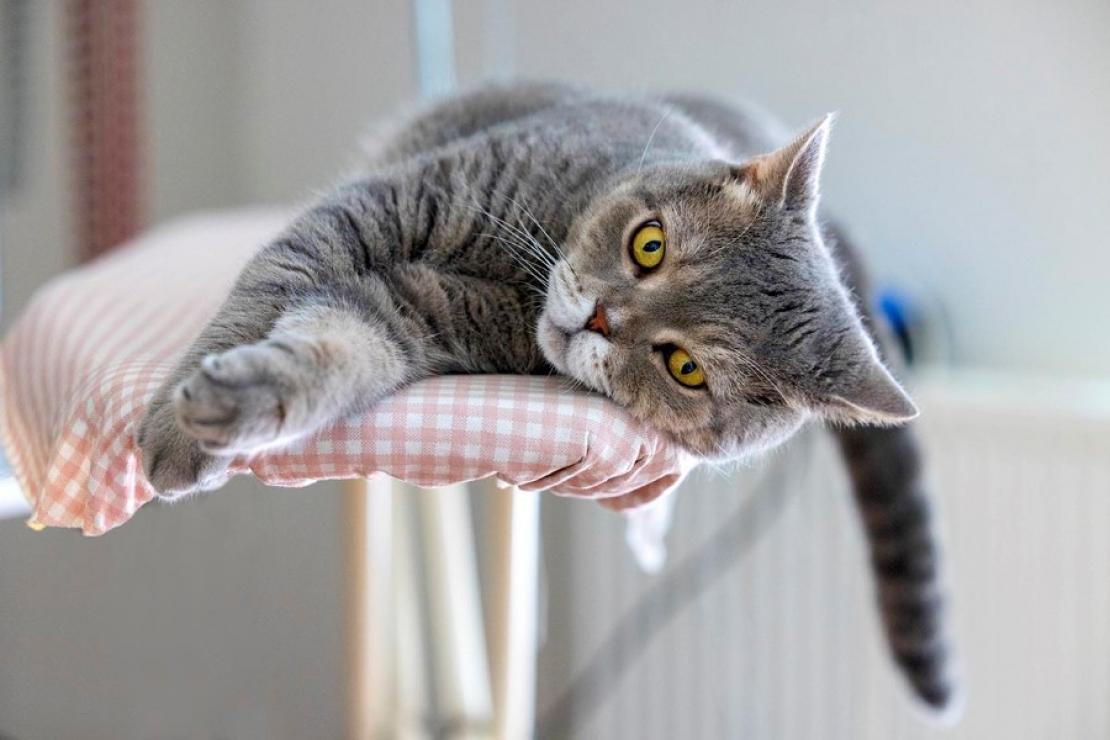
(79, 366)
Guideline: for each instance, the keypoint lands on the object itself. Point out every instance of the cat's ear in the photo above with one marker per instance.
(790, 176)
(867, 394)
(864, 391)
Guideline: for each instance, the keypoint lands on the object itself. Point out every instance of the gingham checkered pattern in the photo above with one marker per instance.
(79, 366)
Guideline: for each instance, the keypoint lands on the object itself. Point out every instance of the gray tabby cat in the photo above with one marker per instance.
(661, 251)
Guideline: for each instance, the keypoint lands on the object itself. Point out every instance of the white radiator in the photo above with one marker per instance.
(785, 642)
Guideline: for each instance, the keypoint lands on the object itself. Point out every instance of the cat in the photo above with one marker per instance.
(665, 252)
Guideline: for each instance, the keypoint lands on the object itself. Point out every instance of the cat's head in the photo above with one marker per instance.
(703, 299)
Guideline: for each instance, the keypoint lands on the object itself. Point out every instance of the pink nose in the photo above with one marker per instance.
(599, 322)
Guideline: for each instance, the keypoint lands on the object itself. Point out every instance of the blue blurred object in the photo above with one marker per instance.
(898, 311)
(917, 320)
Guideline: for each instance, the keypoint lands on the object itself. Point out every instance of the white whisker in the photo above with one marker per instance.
(533, 270)
(524, 239)
(651, 138)
(760, 373)
(536, 221)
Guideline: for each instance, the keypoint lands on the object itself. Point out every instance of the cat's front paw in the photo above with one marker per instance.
(237, 401)
(173, 462)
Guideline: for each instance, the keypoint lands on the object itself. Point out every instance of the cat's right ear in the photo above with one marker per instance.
(790, 176)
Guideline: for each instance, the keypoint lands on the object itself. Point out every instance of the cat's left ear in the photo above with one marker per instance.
(868, 394)
(790, 176)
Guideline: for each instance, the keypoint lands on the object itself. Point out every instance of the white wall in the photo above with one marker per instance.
(263, 100)
(315, 75)
(193, 75)
(970, 155)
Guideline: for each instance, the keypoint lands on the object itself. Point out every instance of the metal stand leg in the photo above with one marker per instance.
(516, 519)
(454, 612)
(409, 652)
(369, 529)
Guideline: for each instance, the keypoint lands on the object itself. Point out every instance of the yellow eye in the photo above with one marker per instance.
(649, 244)
(684, 369)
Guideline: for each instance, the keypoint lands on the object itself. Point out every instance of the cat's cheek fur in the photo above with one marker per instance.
(566, 306)
(751, 434)
(655, 399)
(553, 344)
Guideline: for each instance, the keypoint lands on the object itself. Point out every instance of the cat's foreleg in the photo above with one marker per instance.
(172, 460)
(320, 362)
(312, 329)
(323, 359)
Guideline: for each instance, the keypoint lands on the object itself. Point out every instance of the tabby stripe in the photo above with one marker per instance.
(360, 250)
(797, 326)
(780, 255)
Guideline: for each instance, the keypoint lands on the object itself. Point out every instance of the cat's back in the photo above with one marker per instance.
(699, 126)
(461, 116)
(743, 127)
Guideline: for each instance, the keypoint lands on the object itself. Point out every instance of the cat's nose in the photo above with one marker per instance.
(599, 322)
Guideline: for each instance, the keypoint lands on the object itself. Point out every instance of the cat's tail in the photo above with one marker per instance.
(885, 467)
(896, 510)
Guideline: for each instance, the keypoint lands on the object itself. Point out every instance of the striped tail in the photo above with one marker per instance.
(886, 472)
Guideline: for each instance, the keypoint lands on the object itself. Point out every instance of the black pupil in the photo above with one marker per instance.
(653, 245)
(689, 367)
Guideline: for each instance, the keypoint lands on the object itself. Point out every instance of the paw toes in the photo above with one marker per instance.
(242, 366)
(232, 403)
(218, 369)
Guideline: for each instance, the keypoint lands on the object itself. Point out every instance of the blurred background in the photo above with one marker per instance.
(968, 161)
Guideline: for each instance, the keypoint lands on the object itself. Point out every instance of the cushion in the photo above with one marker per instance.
(79, 366)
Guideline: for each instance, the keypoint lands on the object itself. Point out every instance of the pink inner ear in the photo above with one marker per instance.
(804, 173)
(791, 173)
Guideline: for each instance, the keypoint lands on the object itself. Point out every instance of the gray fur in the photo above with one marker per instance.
(482, 237)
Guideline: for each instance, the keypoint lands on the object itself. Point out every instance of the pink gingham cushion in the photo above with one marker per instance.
(79, 366)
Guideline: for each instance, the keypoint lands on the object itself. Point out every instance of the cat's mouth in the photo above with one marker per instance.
(575, 352)
(573, 331)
